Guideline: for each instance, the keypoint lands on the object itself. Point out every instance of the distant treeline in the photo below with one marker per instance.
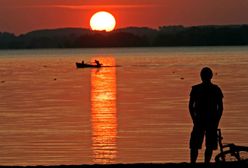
(128, 37)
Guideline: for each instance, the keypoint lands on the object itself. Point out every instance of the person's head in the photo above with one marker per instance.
(206, 74)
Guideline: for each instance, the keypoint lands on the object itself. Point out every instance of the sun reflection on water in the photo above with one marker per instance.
(103, 112)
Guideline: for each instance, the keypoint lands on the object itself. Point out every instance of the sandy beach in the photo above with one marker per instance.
(157, 165)
(243, 164)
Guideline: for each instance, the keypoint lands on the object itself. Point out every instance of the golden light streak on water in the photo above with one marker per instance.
(103, 112)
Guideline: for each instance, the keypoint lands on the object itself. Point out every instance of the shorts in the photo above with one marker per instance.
(197, 137)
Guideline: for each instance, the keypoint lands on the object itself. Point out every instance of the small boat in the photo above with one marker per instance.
(83, 65)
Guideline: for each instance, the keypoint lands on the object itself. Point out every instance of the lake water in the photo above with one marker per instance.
(52, 113)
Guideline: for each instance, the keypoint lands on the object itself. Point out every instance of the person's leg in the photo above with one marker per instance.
(211, 142)
(208, 155)
(193, 155)
(196, 140)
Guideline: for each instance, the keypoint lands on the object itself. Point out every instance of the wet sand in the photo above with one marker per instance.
(157, 165)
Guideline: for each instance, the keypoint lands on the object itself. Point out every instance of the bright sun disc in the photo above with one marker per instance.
(101, 21)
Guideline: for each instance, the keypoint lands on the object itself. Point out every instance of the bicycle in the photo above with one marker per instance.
(233, 152)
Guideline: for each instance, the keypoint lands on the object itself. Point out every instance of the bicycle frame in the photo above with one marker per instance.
(220, 138)
(234, 150)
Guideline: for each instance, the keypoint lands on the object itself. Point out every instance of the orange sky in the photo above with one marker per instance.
(20, 16)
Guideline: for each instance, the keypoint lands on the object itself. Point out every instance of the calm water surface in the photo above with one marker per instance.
(52, 113)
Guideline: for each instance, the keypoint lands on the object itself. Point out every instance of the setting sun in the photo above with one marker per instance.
(101, 21)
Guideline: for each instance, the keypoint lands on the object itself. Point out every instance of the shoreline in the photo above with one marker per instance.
(243, 164)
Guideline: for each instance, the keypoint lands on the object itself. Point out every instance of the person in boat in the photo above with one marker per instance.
(98, 63)
(206, 107)
(82, 62)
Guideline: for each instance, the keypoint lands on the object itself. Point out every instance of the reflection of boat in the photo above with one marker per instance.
(83, 65)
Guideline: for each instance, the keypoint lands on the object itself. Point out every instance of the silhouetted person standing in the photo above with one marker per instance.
(205, 108)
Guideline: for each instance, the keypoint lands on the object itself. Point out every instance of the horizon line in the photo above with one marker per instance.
(157, 28)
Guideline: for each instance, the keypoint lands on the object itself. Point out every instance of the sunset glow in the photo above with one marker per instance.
(24, 16)
(102, 21)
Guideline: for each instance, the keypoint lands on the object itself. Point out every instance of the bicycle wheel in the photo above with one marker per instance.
(232, 155)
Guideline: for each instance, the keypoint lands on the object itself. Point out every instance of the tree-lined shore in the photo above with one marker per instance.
(212, 35)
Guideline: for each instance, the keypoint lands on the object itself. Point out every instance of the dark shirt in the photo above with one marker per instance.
(206, 103)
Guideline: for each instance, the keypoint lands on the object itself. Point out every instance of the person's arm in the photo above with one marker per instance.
(220, 104)
(220, 108)
(192, 108)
